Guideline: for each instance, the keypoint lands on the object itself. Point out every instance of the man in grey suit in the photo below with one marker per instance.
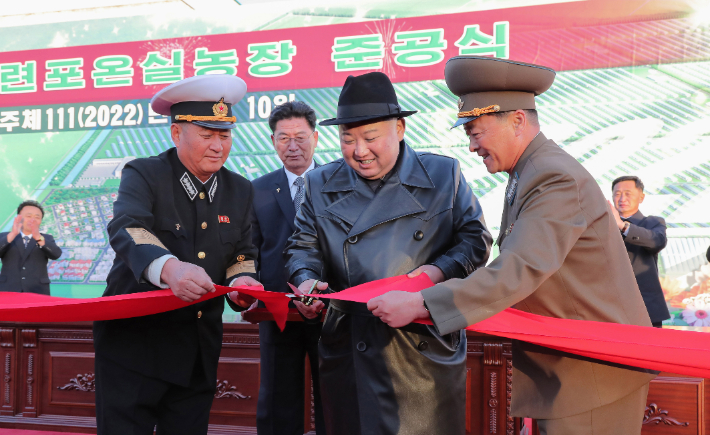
(644, 237)
(25, 252)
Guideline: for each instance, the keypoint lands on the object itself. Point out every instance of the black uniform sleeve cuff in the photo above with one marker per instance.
(233, 305)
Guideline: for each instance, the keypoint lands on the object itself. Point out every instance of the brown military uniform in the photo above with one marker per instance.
(561, 255)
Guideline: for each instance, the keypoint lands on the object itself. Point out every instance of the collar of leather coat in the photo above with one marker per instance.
(362, 209)
(409, 169)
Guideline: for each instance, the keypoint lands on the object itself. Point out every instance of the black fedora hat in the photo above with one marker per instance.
(367, 97)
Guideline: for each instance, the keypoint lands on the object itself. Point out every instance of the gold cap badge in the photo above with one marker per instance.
(220, 109)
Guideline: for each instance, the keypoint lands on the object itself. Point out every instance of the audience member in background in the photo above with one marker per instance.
(24, 252)
(277, 197)
(645, 237)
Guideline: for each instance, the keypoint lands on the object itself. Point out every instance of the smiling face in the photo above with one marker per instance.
(202, 150)
(627, 197)
(493, 138)
(31, 218)
(371, 149)
(295, 142)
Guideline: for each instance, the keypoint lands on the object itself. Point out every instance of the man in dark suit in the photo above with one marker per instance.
(181, 222)
(277, 196)
(644, 237)
(24, 258)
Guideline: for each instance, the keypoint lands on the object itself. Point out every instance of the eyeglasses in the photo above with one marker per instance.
(300, 140)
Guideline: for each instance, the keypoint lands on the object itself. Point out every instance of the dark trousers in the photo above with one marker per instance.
(128, 403)
(280, 409)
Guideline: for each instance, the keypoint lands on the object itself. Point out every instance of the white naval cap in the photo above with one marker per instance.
(204, 100)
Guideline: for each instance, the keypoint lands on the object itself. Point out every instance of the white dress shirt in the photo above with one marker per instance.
(23, 235)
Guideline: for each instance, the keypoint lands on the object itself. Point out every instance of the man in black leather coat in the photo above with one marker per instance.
(382, 211)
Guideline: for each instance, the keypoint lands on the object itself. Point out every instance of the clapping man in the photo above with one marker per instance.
(25, 251)
(644, 237)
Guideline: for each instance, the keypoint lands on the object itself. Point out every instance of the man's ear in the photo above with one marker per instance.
(519, 121)
(401, 127)
(641, 197)
(315, 139)
(175, 132)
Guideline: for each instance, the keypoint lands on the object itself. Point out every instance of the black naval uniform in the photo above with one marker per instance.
(162, 369)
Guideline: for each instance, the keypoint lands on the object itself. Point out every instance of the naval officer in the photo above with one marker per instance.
(181, 221)
(561, 256)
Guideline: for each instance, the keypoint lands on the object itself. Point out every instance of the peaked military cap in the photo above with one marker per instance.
(488, 85)
(204, 100)
(367, 97)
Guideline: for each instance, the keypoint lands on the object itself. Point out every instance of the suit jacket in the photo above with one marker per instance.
(645, 239)
(163, 209)
(561, 255)
(25, 269)
(272, 224)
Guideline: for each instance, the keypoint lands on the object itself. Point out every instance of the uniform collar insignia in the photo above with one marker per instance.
(512, 189)
(189, 186)
(213, 188)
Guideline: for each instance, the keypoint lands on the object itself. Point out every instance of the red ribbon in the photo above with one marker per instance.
(30, 307)
(682, 352)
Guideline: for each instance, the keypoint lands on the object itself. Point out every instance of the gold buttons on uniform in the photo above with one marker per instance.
(199, 314)
(201, 255)
(240, 258)
(202, 195)
(204, 225)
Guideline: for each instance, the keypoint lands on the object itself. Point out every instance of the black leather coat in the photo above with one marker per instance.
(376, 379)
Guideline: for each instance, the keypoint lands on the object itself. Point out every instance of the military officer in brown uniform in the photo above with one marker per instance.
(561, 255)
(382, 211)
